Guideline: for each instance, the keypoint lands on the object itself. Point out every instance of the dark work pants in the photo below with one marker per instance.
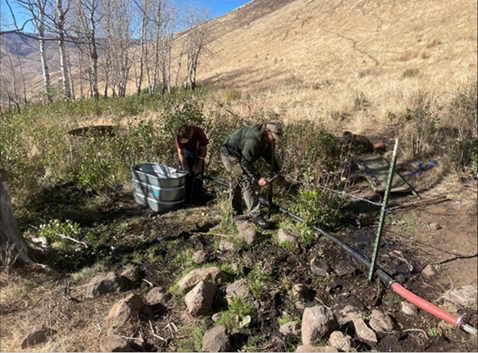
(191, 160)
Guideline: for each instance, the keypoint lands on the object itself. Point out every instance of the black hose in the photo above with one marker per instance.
(457, 322)
(355, 253)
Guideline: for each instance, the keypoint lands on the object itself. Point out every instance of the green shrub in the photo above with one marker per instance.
(321, 155)
(55, 230)
(237, 315)
(420, 134)
(410, 73)
(317, 208)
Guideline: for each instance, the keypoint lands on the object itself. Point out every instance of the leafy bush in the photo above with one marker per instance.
(97, 164)
(317, 208)
(55, 229)
(321, 155)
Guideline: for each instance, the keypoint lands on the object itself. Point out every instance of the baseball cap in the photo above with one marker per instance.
(184, 134)
(275, 127)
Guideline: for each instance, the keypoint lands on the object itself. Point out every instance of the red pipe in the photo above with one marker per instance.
(422, 303)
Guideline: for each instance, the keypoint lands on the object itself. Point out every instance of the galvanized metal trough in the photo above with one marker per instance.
(158, 187)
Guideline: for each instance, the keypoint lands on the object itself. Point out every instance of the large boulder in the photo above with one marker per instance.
(102, 284)
(216, 340)
(241, 289)
(158, 295)
(125, 309)
(114, 343)
(247, 232)
(284, 236)
(381, 322)
(38, 335)
(317, 322)
(199, 299)
(364, 333)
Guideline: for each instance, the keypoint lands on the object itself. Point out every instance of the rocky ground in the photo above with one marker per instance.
(168, 282)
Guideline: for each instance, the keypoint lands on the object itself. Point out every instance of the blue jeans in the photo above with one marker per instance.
(192, 159)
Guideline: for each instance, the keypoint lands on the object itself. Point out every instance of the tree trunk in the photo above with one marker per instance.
(60, 24)
(70, 76)
(142, 55)
(40, 24)
(12, 243)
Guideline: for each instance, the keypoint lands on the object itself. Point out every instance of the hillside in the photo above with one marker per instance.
(381, 49)
(358, 44)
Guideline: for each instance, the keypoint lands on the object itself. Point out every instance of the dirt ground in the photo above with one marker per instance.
(440, 233)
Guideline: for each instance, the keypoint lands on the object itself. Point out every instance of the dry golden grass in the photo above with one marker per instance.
(29, 301)
(311, 60)
(357, 49)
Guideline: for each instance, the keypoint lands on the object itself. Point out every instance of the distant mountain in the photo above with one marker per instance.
(21, 45)
(27, 49)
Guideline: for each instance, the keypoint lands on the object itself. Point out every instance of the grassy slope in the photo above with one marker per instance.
(309, 41)
(359, 49)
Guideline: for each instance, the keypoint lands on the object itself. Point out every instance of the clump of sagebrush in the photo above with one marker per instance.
(443, 129)
(459, 129)
(420, 133)
(231, 94)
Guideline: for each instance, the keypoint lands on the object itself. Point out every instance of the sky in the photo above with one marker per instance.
(220, 7)
(217, 7)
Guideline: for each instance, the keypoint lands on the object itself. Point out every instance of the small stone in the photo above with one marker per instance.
(409, 308)
(429, 271)
(435, 226)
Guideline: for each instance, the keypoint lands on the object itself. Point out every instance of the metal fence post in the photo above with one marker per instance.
(383, 210)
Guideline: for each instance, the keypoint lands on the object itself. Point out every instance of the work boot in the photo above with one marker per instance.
(261, 222)
(238, 211)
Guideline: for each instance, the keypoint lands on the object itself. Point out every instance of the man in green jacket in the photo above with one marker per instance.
(238, 153)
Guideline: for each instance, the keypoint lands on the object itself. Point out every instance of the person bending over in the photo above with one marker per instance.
(238, 153)
(191, 144)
